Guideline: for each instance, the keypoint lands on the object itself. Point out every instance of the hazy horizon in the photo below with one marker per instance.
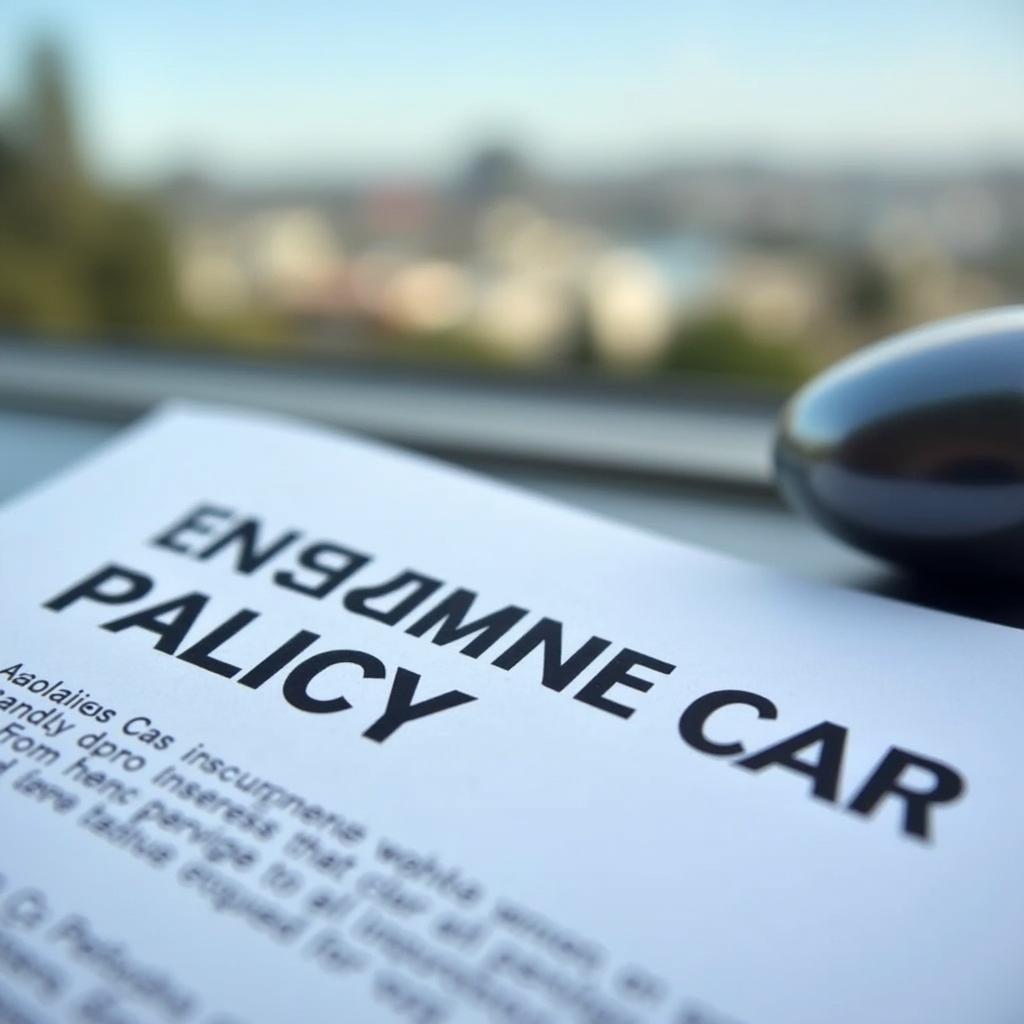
(306, 94)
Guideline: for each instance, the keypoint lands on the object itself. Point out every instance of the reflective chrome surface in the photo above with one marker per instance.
(914, 449)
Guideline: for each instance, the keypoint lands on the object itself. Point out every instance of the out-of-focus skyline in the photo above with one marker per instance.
(271, 90)
(748, 190)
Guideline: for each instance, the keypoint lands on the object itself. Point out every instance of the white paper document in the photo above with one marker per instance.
(296, 727)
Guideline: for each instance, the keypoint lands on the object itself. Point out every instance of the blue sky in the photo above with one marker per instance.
(259, 89)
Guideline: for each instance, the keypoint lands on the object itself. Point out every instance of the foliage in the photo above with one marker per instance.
(74, 258)
(454, 346)
(720, 343)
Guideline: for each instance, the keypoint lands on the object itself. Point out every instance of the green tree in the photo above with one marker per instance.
(867, 294)
(719, 343)
(74, 256)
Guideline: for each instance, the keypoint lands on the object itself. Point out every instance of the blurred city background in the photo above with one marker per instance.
(741, 190)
